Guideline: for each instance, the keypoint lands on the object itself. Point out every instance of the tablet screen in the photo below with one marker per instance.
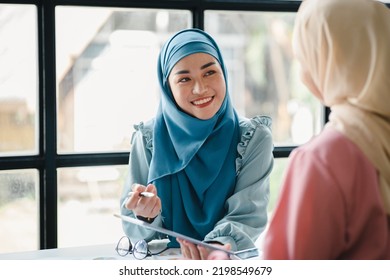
(243, 254)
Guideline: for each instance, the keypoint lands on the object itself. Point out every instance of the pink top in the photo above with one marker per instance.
(329, 206)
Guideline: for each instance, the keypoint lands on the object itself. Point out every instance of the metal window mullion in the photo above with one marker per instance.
(48, 127)
(326, 115)
(197, 11)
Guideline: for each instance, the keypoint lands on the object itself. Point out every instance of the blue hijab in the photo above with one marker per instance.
(193, 162)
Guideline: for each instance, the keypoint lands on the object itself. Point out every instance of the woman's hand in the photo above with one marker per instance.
(218, 255)
(198, 252)
(148, 207)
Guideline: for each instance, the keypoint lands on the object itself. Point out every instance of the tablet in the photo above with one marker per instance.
(242, 254)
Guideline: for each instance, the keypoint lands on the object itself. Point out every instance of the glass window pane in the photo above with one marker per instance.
(276, 178)
(18, 80)
(88, 198)
(19, 221)
(263, 77)
(106, 73)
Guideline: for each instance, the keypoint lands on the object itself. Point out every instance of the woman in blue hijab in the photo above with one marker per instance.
(208, 168)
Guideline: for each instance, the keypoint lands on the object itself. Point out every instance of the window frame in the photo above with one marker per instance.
(47, 161)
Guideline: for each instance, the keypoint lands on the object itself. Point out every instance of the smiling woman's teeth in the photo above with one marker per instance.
(202, 101)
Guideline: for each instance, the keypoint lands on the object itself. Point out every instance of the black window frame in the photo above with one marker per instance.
(48, 160)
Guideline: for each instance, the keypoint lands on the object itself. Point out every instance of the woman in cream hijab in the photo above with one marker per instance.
(335, 198)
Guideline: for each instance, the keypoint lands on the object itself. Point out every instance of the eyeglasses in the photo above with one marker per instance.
(140, 249)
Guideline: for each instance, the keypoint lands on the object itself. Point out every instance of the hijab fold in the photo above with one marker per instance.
(193, 162)
(344, 45)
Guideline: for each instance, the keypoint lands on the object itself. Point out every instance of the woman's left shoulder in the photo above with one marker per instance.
(248, 126)
(256, 140)
(255, 134)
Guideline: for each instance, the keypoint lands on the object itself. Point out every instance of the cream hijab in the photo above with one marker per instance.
(345, 46)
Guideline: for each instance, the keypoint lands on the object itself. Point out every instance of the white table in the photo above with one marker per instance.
(96, 252)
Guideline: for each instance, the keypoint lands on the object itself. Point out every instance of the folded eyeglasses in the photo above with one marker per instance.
(140, 249)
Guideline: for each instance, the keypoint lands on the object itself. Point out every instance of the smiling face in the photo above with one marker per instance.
(198, 85)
